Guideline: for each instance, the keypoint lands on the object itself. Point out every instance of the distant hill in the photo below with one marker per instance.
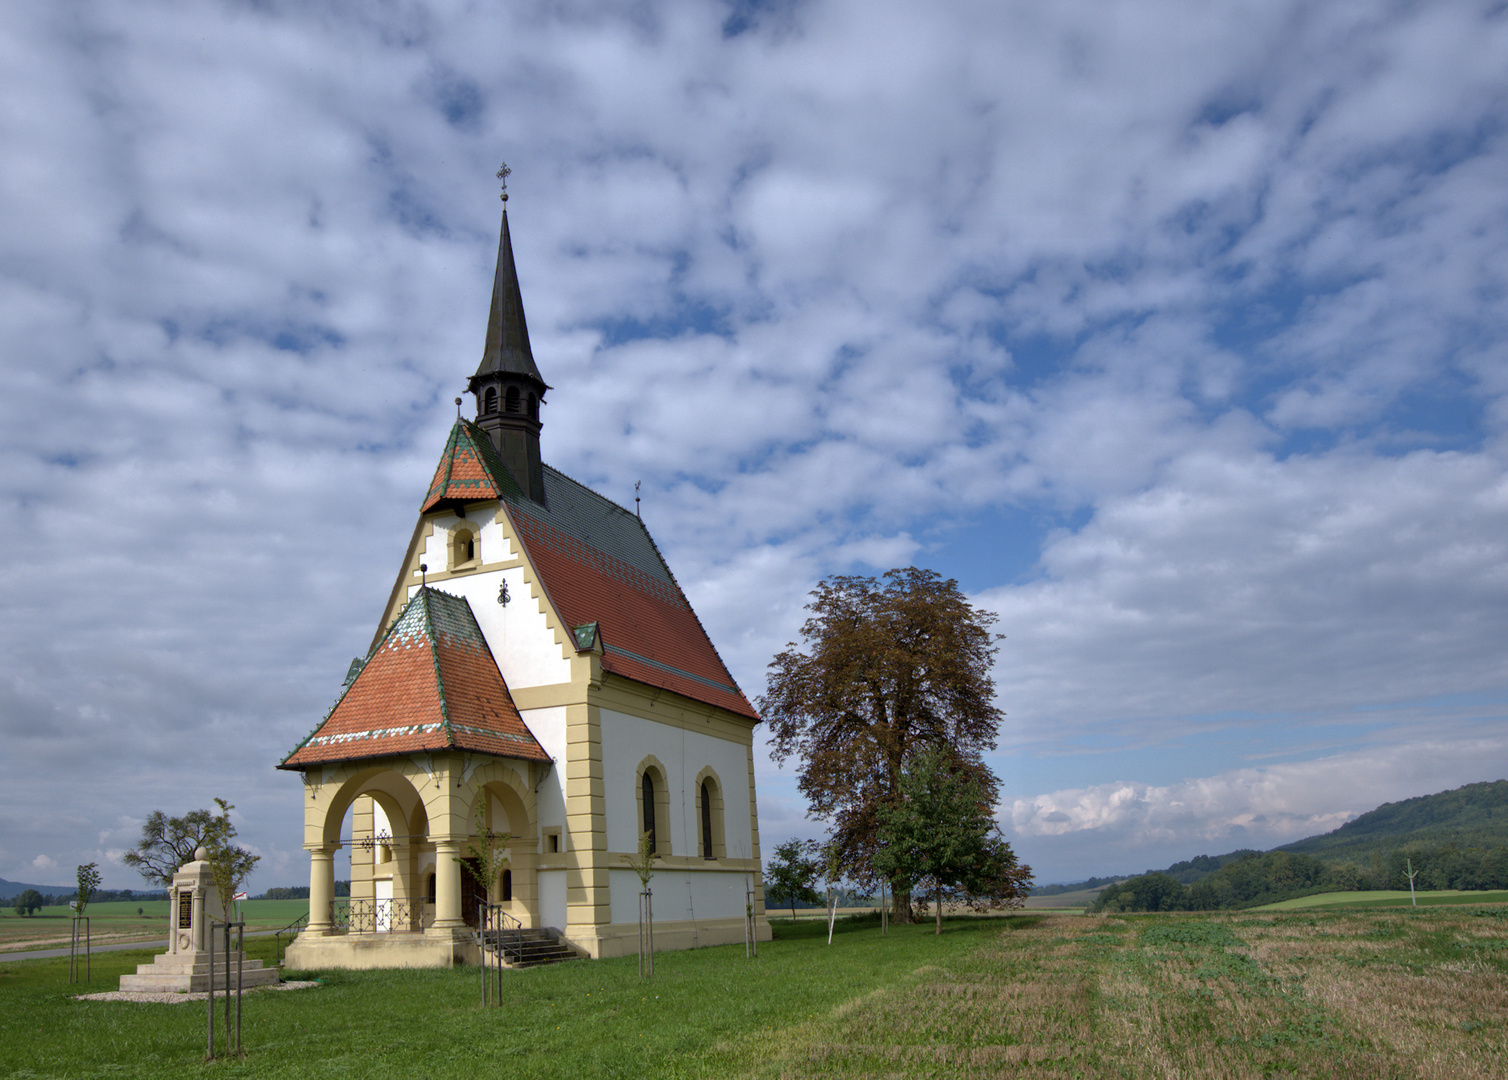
(1474, 816)
(9, 890)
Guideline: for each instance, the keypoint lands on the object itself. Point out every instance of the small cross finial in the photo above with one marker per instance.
(503, 173)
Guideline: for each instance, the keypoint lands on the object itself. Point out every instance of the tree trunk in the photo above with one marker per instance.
(900, 904)
(937, 896)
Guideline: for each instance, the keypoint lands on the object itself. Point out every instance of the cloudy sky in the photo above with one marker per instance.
(1173, 331)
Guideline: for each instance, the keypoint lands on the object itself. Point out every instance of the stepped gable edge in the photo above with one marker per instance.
(431, 683)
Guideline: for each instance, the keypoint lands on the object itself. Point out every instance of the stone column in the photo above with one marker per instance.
(321, 888)
(448, 885)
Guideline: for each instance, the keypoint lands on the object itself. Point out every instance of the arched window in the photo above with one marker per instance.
(533, 407)
(462, 547)
(707, 821)
(489, 400)
(647, 799)
(507, 889)
(511, 398)
(709, 815)
(653, 811)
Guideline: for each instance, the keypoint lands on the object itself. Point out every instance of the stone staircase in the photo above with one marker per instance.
(526, 948)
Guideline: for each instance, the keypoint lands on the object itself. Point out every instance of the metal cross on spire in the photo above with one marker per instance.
(502, 174)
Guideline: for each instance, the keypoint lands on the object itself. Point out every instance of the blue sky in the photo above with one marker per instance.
(1174, 332)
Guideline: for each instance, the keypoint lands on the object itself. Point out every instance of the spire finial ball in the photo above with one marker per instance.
(502, 174)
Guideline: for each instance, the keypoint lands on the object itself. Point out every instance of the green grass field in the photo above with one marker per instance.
(1387, 899)
(119, 921)
(1318, 993)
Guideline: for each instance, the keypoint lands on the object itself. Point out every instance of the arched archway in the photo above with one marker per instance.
(504, 802)
(378, 816)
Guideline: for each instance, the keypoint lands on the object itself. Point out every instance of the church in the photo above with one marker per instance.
(537, 673)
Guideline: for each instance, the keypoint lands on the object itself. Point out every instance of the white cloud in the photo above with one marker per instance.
(1129, 826)
(44, 862)
(1210, 294)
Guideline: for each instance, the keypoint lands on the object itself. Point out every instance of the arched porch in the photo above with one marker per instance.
(428, 805)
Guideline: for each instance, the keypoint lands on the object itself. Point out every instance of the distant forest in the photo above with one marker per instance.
(301, 892)
(1454, 840)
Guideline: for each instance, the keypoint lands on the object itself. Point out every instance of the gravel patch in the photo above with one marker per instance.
(157, 997)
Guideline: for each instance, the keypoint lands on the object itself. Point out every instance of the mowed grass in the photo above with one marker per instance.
(1320, 993)
(1388, 898)
(118, 920)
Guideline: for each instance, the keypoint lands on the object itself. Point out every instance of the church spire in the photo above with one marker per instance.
(507, 385)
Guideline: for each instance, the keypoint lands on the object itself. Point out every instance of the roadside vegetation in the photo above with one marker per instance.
(1409, 993)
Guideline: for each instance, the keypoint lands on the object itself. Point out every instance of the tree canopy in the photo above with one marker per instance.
(940, 828)
(167, 843)
(88, 883)
(885, 669)
(790, 877)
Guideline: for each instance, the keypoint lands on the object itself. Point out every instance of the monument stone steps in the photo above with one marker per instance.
(193, 965)
(197, 982)
(186, 966)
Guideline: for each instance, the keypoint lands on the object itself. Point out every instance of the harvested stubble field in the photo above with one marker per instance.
(1318, 993)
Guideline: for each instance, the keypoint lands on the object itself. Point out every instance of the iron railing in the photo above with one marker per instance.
(379, 916)
(292, 930)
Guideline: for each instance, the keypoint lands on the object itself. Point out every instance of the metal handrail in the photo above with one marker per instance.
(294, 928)
(501, 922)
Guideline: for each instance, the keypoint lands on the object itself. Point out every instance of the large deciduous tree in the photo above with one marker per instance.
(889, 668)
(167, 843)
(940, 829)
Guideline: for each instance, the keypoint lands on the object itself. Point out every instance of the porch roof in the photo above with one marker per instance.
(430, 683)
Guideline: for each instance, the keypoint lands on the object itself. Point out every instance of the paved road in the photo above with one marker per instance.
(52, 954)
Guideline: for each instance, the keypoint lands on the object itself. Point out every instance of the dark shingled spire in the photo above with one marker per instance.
(508, 387)
(507, 349)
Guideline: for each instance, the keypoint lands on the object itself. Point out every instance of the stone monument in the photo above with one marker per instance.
(193, 903)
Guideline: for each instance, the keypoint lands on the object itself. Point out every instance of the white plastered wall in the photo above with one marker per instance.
(627, 740)
(552, 898)
(679, 895)
(382, 863)
(518, 633)
(549, 728)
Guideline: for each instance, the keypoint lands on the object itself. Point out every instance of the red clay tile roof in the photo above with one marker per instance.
(469, 470)
(649, 632)
(430, 684)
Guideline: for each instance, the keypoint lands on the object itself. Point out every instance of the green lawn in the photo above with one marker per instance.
(1316, 993)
